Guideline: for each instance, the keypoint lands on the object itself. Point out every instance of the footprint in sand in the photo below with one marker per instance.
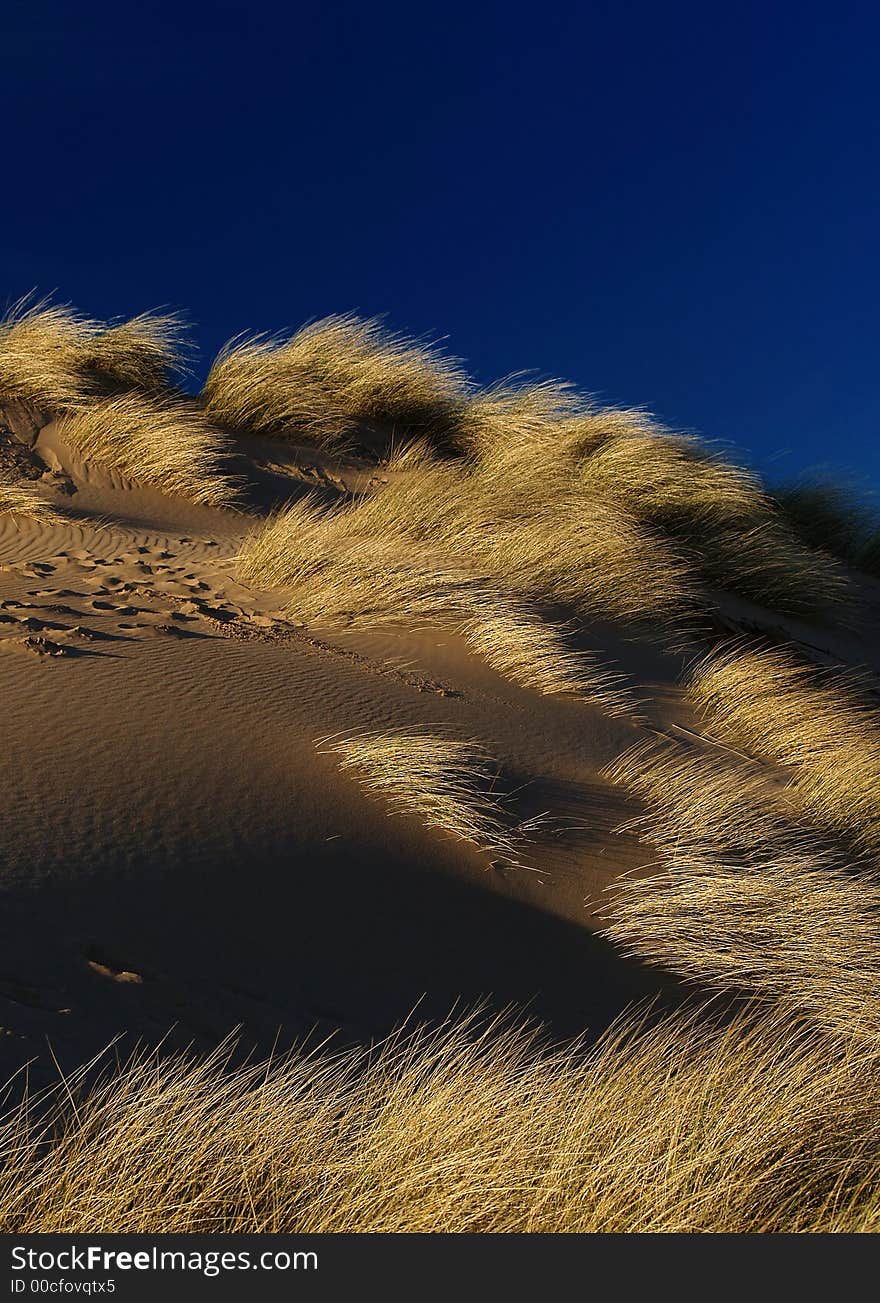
(29, 996)
(33, 625)
(83, 633)
(101, 963)
(98, 604)
(37, 646)
(37, 569)
(195, 607)
(175, 631)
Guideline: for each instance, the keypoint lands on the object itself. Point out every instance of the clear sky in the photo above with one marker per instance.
(674, 205)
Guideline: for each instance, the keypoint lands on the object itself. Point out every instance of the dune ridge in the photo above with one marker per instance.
(349, 686)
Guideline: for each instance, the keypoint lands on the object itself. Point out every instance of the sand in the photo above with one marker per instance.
(179, 853)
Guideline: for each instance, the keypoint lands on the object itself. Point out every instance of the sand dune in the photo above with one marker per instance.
(212, 821)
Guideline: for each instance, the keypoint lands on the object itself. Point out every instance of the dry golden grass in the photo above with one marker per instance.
(163, 441)
(834, 518)
(361, 565)
(445, 782)
(535, 654)
(528, 540)
(760, 1126)
(544, 438)
(334, 377)
(817, 724)
(55, 359)
(549, 479)
(146, 352)
(747, 897)
(40, 344)
(18, 499)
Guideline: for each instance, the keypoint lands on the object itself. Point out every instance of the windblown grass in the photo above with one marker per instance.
(754, 1127)
(716, 514)
(439, 544)
(158, 440)
(54, 358)
(147, 353)
(332, 378)
(20, 500)
(40, 348)
(535, 654)
(747, 899)
(443, 781)
(832, 517)
(362, 565)
(818, 724)
(551, 477)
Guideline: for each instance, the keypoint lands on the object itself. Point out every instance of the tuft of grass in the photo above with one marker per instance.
(147, 353)
(40, 347)
(331, 379)
(832, 517)
(357, 565)
(534, 653)
(445, 782)
(687, 1126)
(21, 500)
(747, 898)
(55, 359)
(532, 540)
(544, 438)
(158, 440)
(817, 724)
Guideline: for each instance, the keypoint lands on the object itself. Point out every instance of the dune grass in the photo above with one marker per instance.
(818, 724)
(55, 359)
(715, 514)
(366, 565)
(332, 378)
(833, 518)
(445, 782)
(158, 440)
(747, 896)
(147, 352)
(440, 540)
(599, 511)
(759, 1126)
(40, 346)
(535, 653)
(18, 499)
(550, 476)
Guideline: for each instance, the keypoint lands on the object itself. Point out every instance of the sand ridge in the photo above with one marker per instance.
(179, 852)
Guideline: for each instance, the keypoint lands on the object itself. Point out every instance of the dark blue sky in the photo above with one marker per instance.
(672, 204)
